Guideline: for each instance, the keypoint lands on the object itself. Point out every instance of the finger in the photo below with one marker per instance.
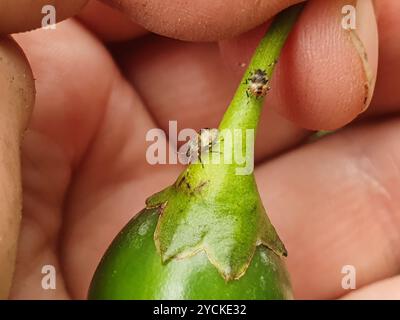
(24, 15)
(187, 82)
(325, 77)
(109, 24)
(336, 203)
(388, 289)
(69, 108)
(387, 93)
(17, 93)
(206, 20)
(78, 129)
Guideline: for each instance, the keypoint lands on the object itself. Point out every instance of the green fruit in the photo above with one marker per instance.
(208, 235)
(132, 269)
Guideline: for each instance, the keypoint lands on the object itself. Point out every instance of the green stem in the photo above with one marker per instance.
(210, 221)
(220, 198)
(239, 124)
(244, 111)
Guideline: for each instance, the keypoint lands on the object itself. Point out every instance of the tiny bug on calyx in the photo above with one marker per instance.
(258, 84)
(203, 142)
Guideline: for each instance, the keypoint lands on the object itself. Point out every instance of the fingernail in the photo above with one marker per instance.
(365, 40)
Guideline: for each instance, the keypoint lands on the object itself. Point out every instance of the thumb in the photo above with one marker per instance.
(16, 100)
(326, 75)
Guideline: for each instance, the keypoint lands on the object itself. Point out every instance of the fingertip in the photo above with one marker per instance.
(322, 80)
(326, 80)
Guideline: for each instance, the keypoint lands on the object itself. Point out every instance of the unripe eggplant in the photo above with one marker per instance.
(132, 269)
(207, 236)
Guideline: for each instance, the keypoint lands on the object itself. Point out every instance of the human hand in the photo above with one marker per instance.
(85, 174)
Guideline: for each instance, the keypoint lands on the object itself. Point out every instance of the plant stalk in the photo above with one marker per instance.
(244, 110)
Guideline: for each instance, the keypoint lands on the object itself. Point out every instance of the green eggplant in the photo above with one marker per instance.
(132, 269)
(208, 235)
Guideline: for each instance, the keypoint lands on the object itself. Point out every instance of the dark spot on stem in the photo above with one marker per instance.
(162, 207)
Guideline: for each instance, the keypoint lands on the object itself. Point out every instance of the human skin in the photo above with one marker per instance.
(16, 101)
(22, 15)
(334, 202)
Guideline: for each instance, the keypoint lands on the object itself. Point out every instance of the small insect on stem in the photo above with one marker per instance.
(203, 142)
(258, 84)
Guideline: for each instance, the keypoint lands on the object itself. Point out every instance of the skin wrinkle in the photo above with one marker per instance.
(45, 216)
(106, 186)
(379, 188)
(365, 166)
(393, 218)
(74, 152)
(55, 137)
(386, 215)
